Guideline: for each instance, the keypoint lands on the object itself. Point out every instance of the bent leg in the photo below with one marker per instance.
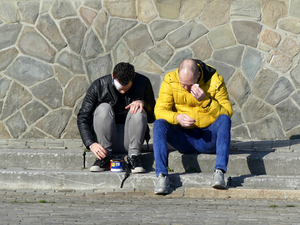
(135, 129)
(104, 125)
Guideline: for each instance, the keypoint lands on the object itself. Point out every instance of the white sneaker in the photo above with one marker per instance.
(162, 185)
(218, 180)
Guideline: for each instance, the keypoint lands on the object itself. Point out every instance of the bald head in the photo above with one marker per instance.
(188, 73)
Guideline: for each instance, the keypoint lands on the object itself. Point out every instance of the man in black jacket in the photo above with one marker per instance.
(114, 115)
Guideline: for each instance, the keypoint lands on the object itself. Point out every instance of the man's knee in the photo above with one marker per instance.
(225, 119)
(138, 116)
(160, 123)
(103, 110)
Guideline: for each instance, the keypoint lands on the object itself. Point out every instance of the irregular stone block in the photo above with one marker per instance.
(289, 114)
(246, 32)
(34, 133)
(9, 12)
(290, 47)
(100, 24)
(34, 111)
(232, 56)
(120, 8)
(254, 110)
(143, 63)
(186, 34)
(268, 128)
(9, 34)
(270, 38)
(202, 49)
(161, 53)
(121, 53)
(246, 10)
(87, 15)
(216, 13)
(16, 98)
(50, 92)
(294, 8)
(71, 61)
(273, 11)
(279, 61)
(296, 97)
(191, 9)
(236, 118)
(74, 31)
(138, 39)
(71, 131)
(46, 5)
(4, 86)
(99, 67)
(29, 11)
(168, 9)
(77, 106)
(47, 27)
(7, 56)
(263, 82)
(280, 91)
(29, 71)
(55, 122)
(238, 88)
(221, 37)
(224, 70)
(33, 44)
(160, 28)
(91, 46)
(62, 74)
(3, 132)
(116, 29)
(75, 89)
(251, 63)
(93, 4)
(63, 8)
(240, 133)
(178, 58)
(290, 24)
(146, 11)
(16, 125)
(295, 75)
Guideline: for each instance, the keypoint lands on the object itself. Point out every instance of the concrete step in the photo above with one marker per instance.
(13, 179)
(240, 162)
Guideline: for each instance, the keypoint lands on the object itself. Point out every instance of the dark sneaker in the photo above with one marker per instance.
(162, 185)
(218, 180)
(101, 165)
(135, 163)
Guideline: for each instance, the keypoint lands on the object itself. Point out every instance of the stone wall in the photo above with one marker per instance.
(51, 51)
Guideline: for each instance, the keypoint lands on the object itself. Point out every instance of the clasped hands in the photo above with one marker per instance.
(183, 119)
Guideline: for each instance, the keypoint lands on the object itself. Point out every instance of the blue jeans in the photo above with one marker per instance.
(212, 139)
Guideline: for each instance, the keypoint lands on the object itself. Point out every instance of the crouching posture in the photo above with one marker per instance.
(193, 116)
(114, 115)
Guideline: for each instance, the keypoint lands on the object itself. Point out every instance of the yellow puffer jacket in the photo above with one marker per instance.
(174, 99)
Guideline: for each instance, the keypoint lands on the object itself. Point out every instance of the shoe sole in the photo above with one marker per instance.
(218, 186)
(97, 169)
(138, 170)
(161, 193)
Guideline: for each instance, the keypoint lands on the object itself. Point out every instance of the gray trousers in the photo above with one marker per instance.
(120, 138)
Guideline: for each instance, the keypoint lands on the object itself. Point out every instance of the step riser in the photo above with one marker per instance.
(246, 163)
(83, 180)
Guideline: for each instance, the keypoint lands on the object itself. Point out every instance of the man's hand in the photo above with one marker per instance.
(197, 92)
(134, 106)
(184, 120)
(98, 150)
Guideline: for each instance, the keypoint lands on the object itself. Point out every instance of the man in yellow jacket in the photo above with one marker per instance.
(193, 116)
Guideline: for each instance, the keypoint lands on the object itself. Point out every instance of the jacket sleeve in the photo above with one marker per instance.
(85, 116)
(165, 103)
(149, 102)
(220, 103)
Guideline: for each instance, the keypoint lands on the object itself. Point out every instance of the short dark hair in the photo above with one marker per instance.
(124, 72)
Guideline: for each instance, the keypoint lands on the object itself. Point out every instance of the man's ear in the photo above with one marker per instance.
(112, 76)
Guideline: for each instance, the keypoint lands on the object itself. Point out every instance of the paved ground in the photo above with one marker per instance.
(88, 207)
